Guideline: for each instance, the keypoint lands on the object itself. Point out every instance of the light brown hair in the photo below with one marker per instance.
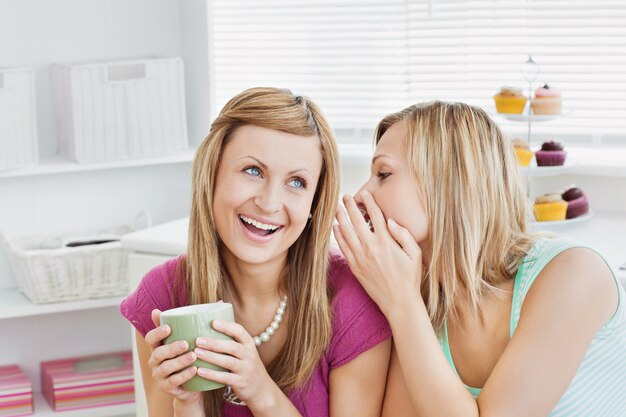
(305, 276)
(474, 198)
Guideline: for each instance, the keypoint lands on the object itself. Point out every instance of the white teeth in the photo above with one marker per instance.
(258, 225)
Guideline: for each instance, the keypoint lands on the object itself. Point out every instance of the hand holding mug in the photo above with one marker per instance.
(248, 377)
(171, 364)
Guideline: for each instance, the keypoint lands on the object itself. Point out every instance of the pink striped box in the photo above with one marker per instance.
(90, 381)
(16, 392)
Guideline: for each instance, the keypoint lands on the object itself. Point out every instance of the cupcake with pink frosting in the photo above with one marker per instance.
(547, 100)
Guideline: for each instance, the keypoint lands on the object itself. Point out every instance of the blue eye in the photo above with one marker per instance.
(297, 183)
(254, 171)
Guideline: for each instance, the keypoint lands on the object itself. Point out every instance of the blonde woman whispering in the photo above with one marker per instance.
(488, 320)
(308, 341)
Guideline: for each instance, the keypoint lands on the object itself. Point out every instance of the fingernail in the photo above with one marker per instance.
(166, 329)
(201, 342)
(191, 356)
(202, 372)
(182, 344)
(217, 323)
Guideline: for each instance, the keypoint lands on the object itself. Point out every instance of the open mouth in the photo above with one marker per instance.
(258, 228)
(366, 216)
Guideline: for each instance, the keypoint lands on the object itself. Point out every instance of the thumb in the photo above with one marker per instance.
(404, 239)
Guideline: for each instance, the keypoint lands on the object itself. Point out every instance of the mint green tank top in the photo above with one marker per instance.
(599, 385)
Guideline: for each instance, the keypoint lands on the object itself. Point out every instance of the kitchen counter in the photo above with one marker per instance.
(606, 232)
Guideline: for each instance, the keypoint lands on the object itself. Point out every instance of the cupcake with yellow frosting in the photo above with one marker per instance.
(550, 207)
(510, 100)
(522, 152)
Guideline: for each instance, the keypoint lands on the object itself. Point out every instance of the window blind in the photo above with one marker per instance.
(361, 59)
(350, 57)
(466, 49)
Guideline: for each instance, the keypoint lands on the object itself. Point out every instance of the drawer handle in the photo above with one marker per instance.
(119, 73)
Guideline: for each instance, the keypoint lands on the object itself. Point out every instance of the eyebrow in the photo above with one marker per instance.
(265, 166)
(379, 156)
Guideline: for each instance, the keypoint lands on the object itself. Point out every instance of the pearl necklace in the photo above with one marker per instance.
(229, 395)
(264, 337)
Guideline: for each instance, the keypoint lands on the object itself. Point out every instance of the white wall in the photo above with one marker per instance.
(37, 33)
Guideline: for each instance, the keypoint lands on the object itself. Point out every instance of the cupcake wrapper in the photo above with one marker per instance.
(514, 105)
(546, 105)
(523, 156)
(550, 211)
(577, 207)
(550, 158)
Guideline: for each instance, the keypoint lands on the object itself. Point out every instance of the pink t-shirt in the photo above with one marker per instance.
(358, 325)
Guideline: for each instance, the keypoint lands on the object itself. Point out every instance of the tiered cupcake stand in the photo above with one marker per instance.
(530, 70)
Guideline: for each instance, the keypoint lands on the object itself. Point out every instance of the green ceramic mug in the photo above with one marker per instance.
(190, 322)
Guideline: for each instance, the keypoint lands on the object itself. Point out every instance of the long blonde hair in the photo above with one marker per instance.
(305, 275)
(474, 198)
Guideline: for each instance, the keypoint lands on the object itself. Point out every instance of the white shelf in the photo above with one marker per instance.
(531, 117)
(547, 171)
(42, 409)
(57, 165)
(560, 223)
(15, 304)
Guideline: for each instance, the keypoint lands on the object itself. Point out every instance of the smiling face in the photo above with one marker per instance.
(393, 186)
(264, 190)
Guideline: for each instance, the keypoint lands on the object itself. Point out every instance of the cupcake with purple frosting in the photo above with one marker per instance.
(551, 154)
(577, 202)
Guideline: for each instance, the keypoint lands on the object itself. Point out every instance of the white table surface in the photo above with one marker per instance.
(165, 239)
(606, 232)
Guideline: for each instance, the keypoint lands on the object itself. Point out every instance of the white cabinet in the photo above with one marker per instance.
(58, 197)
(151, 247)
(138, 265)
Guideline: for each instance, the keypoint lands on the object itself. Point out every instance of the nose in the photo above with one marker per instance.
(268, 199)
(366, 186)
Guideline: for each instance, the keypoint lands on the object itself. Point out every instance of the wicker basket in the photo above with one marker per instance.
(49, 271)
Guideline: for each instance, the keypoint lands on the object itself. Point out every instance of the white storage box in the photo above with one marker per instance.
(120, 110)
(18, 128)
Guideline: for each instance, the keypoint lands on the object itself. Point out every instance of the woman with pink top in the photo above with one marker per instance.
(308, 341)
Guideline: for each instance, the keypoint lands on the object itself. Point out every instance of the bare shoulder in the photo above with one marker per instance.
(576, 278)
